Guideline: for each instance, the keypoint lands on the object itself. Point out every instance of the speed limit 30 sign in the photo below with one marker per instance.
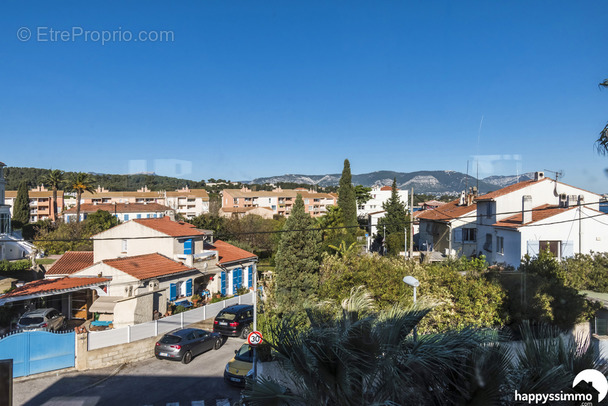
(254, 338)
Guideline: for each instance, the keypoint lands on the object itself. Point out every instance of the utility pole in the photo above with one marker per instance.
(254, 269)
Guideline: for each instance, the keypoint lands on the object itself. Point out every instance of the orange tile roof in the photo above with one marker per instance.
(447, 212)
(169, 227)
(50, 286)
(386, 188)
(70, 262)
(228, 252)
(147, 266)
(119, 208)
(508, 189)
(538, 213)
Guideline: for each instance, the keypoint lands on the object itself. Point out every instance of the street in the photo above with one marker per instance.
(149, 382)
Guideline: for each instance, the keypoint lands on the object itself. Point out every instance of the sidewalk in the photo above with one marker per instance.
(27, 387)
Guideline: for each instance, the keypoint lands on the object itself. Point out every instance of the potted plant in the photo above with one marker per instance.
(195, 299)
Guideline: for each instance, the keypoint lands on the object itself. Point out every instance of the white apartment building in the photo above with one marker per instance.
(379, 196)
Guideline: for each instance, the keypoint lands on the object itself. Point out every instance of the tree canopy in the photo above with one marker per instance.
(21, 207)
(347, 200)
(297, 261)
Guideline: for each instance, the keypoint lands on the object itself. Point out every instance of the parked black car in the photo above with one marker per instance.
(234, 321)
(186, 343)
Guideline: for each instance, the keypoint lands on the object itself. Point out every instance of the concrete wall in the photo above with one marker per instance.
(116, 355)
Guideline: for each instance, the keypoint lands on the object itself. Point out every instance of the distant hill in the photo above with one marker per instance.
(432, 182)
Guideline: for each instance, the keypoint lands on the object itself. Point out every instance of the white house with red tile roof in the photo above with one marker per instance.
(237, 267)
(520, 218)
(449, 229)
(122, 211)
(141, 285)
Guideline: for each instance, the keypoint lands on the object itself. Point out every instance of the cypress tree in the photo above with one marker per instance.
(21, 208)
(297, 261)
(347, 200)
(396, 220)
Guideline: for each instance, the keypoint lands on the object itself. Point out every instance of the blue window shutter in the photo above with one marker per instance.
(126, 217)
(189, 287)
(172, 291)
(533, 248)
(223, 283)
(148, 215)
(567, 249)
(139, 216)
(250, 274)
(188, 247)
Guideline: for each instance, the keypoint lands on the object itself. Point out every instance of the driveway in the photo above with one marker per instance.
(148, 382)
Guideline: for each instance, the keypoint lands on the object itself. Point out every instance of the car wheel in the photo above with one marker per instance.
(218, 344)
(187, 357)
(245, 332)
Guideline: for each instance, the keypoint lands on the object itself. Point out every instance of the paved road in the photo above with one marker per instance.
(149, 382)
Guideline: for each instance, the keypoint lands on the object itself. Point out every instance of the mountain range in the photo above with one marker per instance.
(432, 182)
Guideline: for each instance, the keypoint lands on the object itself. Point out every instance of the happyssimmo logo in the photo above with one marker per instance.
(587, 385)
(595, 379)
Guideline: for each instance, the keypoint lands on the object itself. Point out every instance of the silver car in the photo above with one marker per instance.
(42, 319)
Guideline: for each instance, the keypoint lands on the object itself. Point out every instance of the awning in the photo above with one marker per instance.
(104, 304)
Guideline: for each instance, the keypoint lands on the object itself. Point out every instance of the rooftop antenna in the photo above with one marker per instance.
(558, 174)
(478, 137)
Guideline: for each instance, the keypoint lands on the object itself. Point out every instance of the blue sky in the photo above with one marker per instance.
(257, 88)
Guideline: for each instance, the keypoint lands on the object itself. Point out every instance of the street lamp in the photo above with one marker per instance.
(413, 282)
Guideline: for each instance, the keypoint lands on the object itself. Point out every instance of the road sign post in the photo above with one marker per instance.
(254, 338)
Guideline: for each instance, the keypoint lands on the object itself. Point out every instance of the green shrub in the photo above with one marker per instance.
(21, 265)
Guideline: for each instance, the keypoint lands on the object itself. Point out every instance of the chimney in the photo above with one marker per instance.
(539, 176)
(526, 209)
(462, 200)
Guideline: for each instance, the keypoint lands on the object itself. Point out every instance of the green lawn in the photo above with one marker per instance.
(45, 261)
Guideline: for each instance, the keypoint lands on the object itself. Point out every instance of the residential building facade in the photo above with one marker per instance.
(186, 202)
(122, 211)
(280, 201)
(380, 194)
(41, 202)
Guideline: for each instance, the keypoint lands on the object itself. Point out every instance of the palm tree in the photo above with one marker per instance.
(81, 182)
(602, 142)
(361, 356)
(54, 179)
(364, 356)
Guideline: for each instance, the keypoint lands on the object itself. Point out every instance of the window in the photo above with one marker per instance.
(236, 200)
(489, 209)
(500, 245)
(552, 246)
(126, 217)
(469, 234)
(124, 245)
(139, 216)
(488, 244)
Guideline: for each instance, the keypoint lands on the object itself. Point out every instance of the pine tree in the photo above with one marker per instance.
(347, 200)
(297, 261)
(396, 221)
(21, 209)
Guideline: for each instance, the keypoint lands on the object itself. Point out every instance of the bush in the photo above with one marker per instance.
(21, 265)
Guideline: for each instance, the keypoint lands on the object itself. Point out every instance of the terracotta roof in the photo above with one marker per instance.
(50, 286)
(433, 203)
(35, 194)
(228, 252)
(147, 266)
(538, 213)
(169, 227)
(99, 195)
(70, 262)
(447, 212)
(242, 209)
(190, 193)
(282, 193)
(119, 208)
(386, 188)
(509, 189)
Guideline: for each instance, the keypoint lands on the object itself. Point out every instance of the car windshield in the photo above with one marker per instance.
(170, 339)
(245, 354)
(28, 321)
(226, 316)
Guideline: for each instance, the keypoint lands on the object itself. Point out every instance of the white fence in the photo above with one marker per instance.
(108, 338)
